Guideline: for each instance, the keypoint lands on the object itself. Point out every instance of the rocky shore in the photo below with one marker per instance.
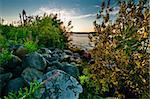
(57, 68)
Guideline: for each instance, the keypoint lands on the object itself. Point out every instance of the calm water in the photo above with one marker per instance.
(81, 40)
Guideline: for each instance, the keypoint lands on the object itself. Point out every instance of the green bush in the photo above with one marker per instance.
(27, 93)
(121, 67)
(30, 46)
(33, 33)
(5, 55)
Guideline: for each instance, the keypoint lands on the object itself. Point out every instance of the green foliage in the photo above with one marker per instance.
(48, 31)
(33, 33)
(26, 93)
(121, 55)
(5, 55)
(30, 46)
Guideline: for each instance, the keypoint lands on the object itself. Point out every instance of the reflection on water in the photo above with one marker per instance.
(81, 40)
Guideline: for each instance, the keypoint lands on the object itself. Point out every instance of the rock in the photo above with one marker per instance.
(68, 52)
(39, 93)
(13, 63)
(21, 51)
(2, 70)
(54, 65)
(52, 49)
(45, 51)
(47, 58)
(55, 57)
(57, 51)
(17, 71)
(76, 55)
(35, 60)
(60, 85)
(15, 84)
(3, 79)
(86, 56)
(30, 74)
(71, 69)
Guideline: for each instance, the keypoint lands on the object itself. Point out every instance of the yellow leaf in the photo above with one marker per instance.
(138, 64)
(145, 35)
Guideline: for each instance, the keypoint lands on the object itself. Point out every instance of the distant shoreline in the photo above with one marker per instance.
(83, 32)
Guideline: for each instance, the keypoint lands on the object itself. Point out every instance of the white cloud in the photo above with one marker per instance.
(84, 16)
(63, 14)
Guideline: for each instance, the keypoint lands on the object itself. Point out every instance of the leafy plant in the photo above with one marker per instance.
(121, 52)
(26, 93)
(30, 46)
(5, 55)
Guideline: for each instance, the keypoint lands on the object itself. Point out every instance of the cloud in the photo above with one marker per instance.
(80, 22)
(84, 16)
(64, 14)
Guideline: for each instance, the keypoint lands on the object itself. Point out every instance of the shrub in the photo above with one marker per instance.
(5, 55)
(121, 67)
(26, 93)
(30, 46)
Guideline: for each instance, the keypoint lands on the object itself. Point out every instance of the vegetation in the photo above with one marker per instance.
(33, 33)
(121, 67)
(121, 57)
(26, 93)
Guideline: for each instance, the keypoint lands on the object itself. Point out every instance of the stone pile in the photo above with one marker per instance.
(59, 68)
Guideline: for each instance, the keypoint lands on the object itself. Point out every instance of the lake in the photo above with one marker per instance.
(81, 40)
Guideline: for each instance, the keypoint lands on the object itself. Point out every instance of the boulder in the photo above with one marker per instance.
(60, 85)
(14, 85)
(3, 79)
(35, 60)
(13, 63)
(71, 69)
(30, 74)
(21, 51)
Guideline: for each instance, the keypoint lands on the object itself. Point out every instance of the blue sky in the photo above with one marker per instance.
(81, 12)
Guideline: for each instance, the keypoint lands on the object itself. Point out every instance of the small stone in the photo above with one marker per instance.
(68, 52)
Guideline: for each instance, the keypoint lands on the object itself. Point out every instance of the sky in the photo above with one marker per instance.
(82, 13)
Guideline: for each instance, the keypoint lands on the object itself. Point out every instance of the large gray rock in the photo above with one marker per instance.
(71, 69)
(60, 85)
(3, 79)
(35, 60)
(30, 74)
(15, 84)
